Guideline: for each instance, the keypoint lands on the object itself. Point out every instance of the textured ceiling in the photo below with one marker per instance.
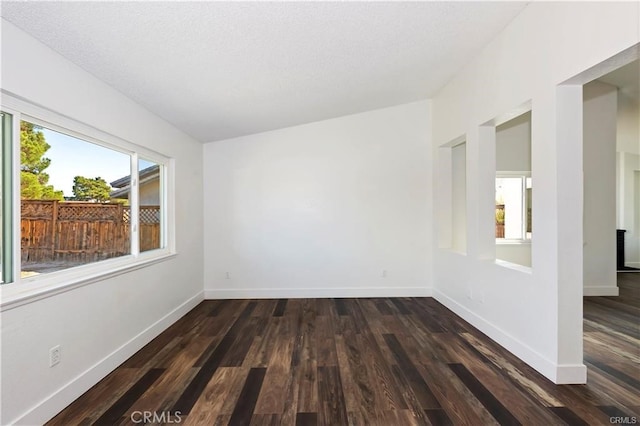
(218, 70)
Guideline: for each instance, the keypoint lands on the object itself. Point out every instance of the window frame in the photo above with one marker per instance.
(25, 290)
(10, 159)
(523, 176)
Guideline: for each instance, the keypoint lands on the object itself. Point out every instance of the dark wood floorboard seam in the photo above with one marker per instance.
(568, 416)
(438, 417)
(420, 388)
(486, 398)
(306, 419)
(246, 404)
(278, 311)
(615, 373)
(120, 407)
(199, 382)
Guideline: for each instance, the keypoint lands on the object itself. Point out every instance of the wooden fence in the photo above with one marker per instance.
(500, 220)
(77, 232)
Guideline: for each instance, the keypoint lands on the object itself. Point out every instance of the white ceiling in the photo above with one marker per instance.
(218, 70)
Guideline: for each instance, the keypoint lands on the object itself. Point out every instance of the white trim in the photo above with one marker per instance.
(50, 406)
(134, 202)
(70, 126)
(299, 293)
(601, 290)
(24, 292)
(514, 266)
(559, 374)
(512, 241)
(570, 374)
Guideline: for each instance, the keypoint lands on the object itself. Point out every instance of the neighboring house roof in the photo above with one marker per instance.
(123, 184)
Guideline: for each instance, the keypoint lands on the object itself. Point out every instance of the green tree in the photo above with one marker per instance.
(33, 179)
(87, 189)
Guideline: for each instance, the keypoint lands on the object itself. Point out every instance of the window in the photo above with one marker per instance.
(513, 207)
(84, 197)
(67, 214)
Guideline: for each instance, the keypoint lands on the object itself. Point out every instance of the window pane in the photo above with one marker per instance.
(70, 214)
(6, 248)
(150, 213)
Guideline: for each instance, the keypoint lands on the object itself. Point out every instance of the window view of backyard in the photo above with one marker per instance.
(76, 202)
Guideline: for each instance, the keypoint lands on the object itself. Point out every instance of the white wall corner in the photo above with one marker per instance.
(46, 409)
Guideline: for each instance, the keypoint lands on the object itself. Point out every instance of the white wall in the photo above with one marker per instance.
(599, 165)
(322, 209)
(101, 324)
(536, 314)
(513, 145)
(628, 136)
(628, 196)
(628, 168)
(459, 197)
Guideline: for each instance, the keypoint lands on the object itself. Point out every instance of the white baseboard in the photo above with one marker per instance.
(571, 374)
(559, 374)
(53, 404)
(601, 291)
(298, 293)
(632, 264)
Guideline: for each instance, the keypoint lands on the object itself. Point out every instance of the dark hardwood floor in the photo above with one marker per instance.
(362, 361)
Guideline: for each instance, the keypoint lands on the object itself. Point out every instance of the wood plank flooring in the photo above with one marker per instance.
(405, 361)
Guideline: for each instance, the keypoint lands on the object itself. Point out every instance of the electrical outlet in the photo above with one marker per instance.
(384, 273)
(227, 276)
(54, 355)
(470, 294)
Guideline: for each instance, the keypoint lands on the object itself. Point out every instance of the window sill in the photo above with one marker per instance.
(514, 266)
(29, 290)
(512, 242)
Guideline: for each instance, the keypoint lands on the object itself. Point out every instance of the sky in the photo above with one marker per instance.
(72, 157)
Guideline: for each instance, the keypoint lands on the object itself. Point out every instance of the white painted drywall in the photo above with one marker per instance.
(628, 137)
(459, 197)
(513, 145)
(536, 314)
(599, 165)
(321, 209)
(101, 324)
(628, 168)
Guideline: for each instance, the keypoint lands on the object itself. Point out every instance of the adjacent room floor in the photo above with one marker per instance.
(362, 361)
